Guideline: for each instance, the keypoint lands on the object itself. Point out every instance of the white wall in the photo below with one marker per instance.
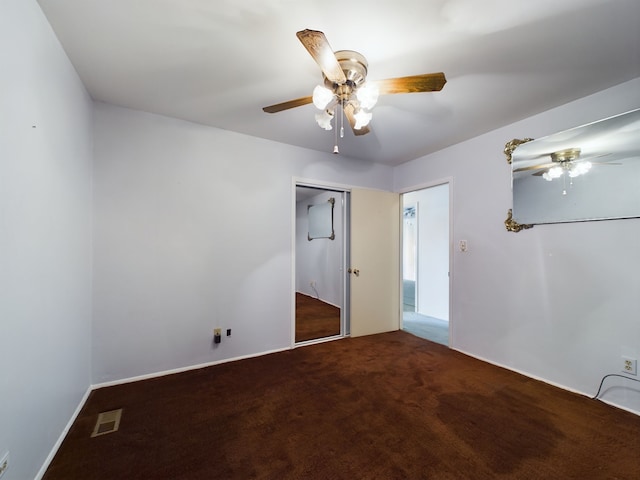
(45, 238)
(193, 230)
(558, 302)
(320, 260)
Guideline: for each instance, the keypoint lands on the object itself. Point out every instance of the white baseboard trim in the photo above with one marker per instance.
(183, 369)
(63, 434)
(91, 388)
(544, 380)
(621, 407)
(521, 372)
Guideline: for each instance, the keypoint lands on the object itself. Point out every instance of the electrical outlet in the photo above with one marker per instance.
(630, 365)
(312, 283)
(462, 245)
(4, 463)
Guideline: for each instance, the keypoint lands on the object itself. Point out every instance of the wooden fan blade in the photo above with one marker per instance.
(428, 82)
(349, 112)
(298, 102)
(317, 45)
(535, 167)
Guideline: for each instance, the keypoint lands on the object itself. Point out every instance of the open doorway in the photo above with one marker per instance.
(425, 263)
(320, 256)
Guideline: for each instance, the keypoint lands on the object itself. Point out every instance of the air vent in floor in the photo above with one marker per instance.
(108, 422)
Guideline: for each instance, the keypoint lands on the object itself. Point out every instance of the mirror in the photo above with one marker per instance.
(321, 220)
(319, 264)
(591, 172)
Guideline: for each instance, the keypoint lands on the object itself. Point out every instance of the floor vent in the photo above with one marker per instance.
(108, 422)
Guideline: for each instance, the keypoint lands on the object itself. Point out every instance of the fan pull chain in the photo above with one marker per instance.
(342, 122)
(335, 134)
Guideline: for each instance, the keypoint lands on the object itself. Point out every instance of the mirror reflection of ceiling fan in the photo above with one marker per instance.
(345, 85)
(566, 161)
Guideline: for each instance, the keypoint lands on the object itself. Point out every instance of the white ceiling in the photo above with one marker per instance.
(219, 62)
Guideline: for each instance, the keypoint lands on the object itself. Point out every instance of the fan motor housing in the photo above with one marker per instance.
(564, 156)
(354, 66)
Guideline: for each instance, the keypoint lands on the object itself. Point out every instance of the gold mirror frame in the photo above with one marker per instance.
(510, 224)
(611, 190)
(512, 145)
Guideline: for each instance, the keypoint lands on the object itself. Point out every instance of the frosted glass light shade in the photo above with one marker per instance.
(368, 96)
(321, 97)
(580, 169)
(362, 119)
(324, 119)
(552, 173)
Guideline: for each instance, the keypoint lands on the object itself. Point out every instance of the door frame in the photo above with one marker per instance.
(435, 183)
(345, 190)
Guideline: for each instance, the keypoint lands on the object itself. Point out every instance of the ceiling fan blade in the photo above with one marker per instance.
(317, 45)
(349, 111)
(428, 82)
(298, 102)
(535, 167)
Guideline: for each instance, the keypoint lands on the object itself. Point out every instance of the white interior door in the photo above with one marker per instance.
(375, 262)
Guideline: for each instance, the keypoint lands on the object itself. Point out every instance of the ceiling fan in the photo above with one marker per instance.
(567, 160)
(345, 85)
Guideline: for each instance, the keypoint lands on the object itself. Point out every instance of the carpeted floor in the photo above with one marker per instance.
(388, 406)
(315, 318)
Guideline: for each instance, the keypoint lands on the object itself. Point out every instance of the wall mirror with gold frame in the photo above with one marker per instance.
(591, 172)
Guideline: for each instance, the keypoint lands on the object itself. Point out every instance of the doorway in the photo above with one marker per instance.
(426, 262)
(320, 255)
(355, 265)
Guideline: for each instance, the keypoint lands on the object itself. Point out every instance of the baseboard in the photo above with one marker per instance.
(63, 434)
(521, 372)
(548, 382)
(621, 407)
(183, 369)
(91, 388)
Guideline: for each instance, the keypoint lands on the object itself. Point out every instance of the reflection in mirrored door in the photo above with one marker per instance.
(319, 287)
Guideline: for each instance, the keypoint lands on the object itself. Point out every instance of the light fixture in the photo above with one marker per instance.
(362, 119)
(579, 169)
(324, 119)
(321, 97)
(553, 172)
(359, 100)
(567, 161)
(367, 96)
(354, 97)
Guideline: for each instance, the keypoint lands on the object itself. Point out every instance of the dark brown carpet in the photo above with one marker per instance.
(315, 318)
(388, 406)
